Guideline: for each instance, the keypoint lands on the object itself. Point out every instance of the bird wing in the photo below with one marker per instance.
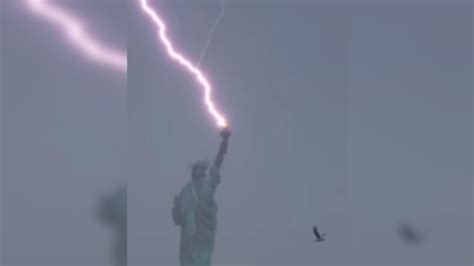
(315, 231)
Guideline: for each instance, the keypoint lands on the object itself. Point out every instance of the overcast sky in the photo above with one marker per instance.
(352, 116)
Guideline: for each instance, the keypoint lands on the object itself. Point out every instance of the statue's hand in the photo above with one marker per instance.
(225, 133)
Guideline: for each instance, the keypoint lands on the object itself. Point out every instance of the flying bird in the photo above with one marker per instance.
(319, 237)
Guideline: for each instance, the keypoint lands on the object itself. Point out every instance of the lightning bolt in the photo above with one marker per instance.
(179, 58)
(211, 33)
(78, 36)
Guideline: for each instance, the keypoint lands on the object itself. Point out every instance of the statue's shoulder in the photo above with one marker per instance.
(215, 179)
(214, 171)
(187, 187)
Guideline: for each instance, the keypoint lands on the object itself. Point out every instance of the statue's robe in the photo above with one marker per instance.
(196, 213)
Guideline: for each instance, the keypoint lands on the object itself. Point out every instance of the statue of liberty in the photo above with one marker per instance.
(195, 210)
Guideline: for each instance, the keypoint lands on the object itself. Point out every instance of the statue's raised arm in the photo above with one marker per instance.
(225, 134)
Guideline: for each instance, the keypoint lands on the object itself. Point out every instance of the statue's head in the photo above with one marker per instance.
(199, 169)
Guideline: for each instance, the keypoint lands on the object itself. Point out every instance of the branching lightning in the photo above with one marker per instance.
(211, 33)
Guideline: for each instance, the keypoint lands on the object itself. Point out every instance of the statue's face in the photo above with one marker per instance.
(199, 170)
